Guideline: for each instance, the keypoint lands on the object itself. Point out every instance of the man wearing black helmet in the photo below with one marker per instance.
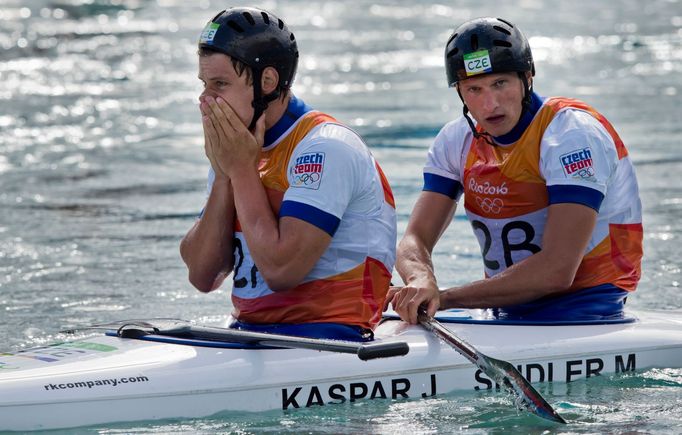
(297, 210)
(548, 187)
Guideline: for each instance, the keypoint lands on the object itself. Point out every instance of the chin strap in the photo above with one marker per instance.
(478, 135)
(260, 102)
(528, 91)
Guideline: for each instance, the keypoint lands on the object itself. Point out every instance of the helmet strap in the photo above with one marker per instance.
(260, 102)
(478, 135)
(527, 92)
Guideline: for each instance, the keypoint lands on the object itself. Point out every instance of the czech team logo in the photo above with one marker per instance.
(578, 163)
(307, 171)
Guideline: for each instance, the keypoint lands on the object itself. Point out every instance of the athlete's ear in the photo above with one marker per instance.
(529, 78)
(269, 80)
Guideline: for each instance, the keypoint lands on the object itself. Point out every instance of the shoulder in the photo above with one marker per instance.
(455, 133)
(573, 127)
(333, 138)
(577, 149)
(450, 147)
(571, 120)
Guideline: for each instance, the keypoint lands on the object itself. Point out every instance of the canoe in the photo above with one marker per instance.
(105, 377)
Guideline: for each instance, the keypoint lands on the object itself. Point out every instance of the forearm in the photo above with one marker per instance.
(207, 247)
(547, 272)
(261, 228)
(414, 264)
(431, 216)
(535, 277)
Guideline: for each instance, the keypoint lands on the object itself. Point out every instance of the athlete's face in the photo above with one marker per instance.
(221, 80)
(494, 100)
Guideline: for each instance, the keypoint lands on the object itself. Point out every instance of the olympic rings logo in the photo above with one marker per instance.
(307, 179)
(490, 205)
(586, 173)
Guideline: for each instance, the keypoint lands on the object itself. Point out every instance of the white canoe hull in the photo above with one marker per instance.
(107, 379)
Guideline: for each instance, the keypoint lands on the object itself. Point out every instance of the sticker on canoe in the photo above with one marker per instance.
(305, 396)
(89, 346)
(569, 371)
(318, 395)
(113, 382)
(5, 366)
(60, 351)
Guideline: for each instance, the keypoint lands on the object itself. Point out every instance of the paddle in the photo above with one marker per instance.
(214, 334)
(500, 371)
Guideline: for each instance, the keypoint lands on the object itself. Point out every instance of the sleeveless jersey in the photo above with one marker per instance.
(569, 153)
(321, 172)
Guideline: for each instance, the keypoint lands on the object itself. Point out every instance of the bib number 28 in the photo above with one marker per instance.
(243, 281)
(508, 246)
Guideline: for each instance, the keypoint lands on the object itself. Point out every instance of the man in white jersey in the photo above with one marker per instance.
(548, 187)
(298, 211)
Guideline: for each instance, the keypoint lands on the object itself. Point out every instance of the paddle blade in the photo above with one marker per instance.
(526, 396)
(502, 372)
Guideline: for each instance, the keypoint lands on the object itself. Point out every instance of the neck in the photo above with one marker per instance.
(276, 110)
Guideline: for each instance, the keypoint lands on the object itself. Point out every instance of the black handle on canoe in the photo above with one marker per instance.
(383, 350)
(363, 351)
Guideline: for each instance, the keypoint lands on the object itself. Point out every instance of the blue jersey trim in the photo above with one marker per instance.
(296, 109)
(446, 186)
(524, 122)
(559, 194)
(599, 303)
(325, 221)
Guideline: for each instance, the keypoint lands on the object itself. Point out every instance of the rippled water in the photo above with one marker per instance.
(102, 169)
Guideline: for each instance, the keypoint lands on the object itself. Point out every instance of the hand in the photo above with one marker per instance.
(208, 150)
(231, 145)
(407, 300)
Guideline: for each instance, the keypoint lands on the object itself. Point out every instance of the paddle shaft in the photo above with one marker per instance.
(362, 350)
(464, 348)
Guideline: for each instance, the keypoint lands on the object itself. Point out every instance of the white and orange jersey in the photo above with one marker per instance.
(568, 153)
(320, 171)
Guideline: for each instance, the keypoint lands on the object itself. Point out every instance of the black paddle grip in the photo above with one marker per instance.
(383, 350)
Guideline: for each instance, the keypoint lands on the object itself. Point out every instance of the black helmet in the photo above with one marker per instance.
(255, 37)
(486, 45)
(258, 39)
